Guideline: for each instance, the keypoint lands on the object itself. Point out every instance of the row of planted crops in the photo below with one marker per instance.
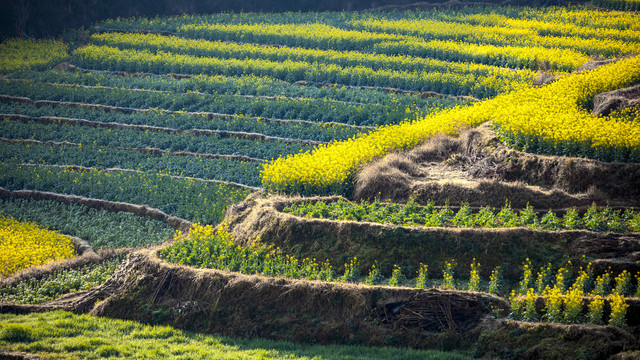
(190, 114)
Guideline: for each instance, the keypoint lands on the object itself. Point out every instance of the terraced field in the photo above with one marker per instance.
(426, 179)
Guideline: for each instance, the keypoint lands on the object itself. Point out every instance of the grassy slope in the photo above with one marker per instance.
(62, 335)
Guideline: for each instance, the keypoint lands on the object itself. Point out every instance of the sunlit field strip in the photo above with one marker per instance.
(106, 57)
(227, 50)
(305, 35)
(577, 28)
(554, 119)
(22, 54)
(580, 16)
(551, 114)
(505, 33)
(26, 244)
(555, 60)
(65, 335)
(598, 28)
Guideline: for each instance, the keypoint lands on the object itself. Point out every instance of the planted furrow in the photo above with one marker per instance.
(232, 85)
(231, 50)
(192, 199)
(98, 204)
(127, 110)
(152, 151)
(117, 169)
(263, 97)
(49, 120)
(452, 83)
(181, 121)
(215, 168)
(500, 53)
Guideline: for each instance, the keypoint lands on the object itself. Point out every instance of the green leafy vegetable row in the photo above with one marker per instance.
(58, 283)
(244, 85)
(133, 138)
(100, 228)
(190, 199)
(243, 172)
(317, 132)
(286, 108)
(603, 219)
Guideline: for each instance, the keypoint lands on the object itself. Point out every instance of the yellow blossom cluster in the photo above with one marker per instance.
(22, 54)
(553, 115)
(26, 244)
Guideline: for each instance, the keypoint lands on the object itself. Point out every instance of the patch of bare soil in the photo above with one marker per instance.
(617, 100)
(17, 355)
(477, 168)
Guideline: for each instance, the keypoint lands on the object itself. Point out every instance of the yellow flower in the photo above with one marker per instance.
(26, 244)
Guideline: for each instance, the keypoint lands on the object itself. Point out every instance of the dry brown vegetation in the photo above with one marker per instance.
(477, 168)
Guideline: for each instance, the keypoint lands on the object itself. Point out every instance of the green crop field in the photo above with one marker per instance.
(326, 153)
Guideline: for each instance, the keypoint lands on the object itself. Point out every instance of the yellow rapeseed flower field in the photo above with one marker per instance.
(23, 54)
(25, 244)
(555, 115)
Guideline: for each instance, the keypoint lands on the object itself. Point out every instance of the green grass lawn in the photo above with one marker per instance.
(63, 335)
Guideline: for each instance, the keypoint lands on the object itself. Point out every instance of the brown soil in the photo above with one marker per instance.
(407, 246)
(16, 355)
(616, 100)
(626, 355)
(596, 63)
(477, 168)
